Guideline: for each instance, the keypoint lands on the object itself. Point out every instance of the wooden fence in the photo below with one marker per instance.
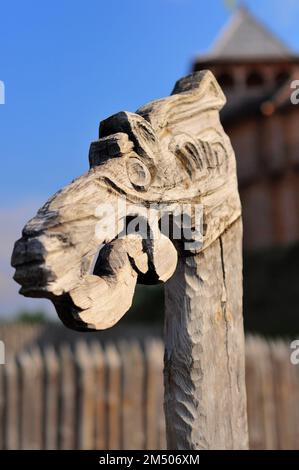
(110, 396)
(272, 383)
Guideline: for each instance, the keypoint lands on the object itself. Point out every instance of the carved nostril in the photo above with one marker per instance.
(27, 251)
(28, 233)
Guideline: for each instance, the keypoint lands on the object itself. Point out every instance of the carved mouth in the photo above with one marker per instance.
(33, 278)
(30, 271)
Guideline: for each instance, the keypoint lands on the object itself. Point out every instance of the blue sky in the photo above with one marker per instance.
(68, 64)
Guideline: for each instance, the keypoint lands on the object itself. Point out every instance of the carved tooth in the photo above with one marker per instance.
(163, 257)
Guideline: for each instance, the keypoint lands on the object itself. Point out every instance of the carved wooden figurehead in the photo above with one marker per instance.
(170, 152)
(159, 169)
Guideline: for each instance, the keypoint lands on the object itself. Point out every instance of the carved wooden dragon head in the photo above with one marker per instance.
(172, 152)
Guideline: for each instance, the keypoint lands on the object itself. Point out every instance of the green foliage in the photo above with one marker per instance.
(28, 317)
(271, 293)
(148, 305)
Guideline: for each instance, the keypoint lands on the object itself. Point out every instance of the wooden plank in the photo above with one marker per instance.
(151, 401)
(162, 444)
(286, 406)
(264, 364)
(153, 392)
(295, 398)
(254, 394)
(31, 394)
(100, 390)
(12, 411)
(37, 372)
(260, 395)
(25, 366)
(2, 408)
(133, 422)
(51, 396)
(113, 397)
(67, 399)
(86, 398)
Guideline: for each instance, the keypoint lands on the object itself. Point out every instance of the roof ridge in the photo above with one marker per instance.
(253, 30)
(227, 29)
(266, 29)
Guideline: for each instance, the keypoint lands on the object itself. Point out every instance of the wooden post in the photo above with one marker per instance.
(169, 168)
(205, 398)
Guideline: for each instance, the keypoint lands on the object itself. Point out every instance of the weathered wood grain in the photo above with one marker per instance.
(205, 399)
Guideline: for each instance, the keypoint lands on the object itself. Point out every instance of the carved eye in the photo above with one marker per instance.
(139, 174)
